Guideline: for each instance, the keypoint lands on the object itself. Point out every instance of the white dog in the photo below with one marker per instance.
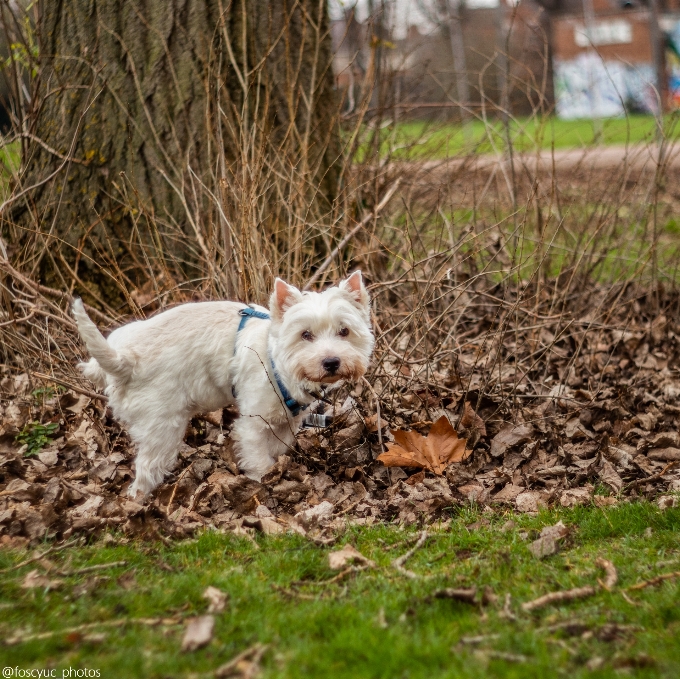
(199, 357)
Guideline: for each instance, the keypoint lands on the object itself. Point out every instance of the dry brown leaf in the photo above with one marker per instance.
(214, 418)
(473, 424)
(264, 524)
(372, 423)
(35, 579)
(548, 542)
(416, 478)
(217, 599)
(510, 435)
(348, 554)
(610, 476)
(198, 633)
(435, 452)
(575, 497)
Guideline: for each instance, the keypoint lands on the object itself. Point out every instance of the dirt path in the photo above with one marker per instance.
(640, 157)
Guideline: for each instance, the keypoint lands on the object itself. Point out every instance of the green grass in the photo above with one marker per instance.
(10, 162)
(612, 245)
(377, 623)
(425, 140)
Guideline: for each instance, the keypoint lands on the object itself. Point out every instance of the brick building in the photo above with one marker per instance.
(585, 58)
(613, 56)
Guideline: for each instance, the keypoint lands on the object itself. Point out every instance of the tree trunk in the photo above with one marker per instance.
(459, 62)
(185, 138)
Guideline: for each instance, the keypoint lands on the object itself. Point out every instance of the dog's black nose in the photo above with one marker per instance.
(331, 365)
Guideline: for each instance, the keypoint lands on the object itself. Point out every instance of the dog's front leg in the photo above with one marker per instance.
(258, 444)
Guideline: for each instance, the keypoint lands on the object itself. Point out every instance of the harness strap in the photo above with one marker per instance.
(247, 313)
(292, 405)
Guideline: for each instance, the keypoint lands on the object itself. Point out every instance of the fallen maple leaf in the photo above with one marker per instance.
(435, 452)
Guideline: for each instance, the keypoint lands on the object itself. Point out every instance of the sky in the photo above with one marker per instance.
(404, 13)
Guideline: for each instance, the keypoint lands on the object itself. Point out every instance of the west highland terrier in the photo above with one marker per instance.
(199, 357)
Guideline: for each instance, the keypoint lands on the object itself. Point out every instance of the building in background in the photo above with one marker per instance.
(580, 58)
(607, 58)
(422, 61)
(670, 27)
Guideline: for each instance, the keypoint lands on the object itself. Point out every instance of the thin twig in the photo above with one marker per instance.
(507, 608)
(93, 569)
(654, 581)
(79, 390)
(334, 253)
(294, 595)
(377, 411)
(654, 477)
(479, 639)
(467, 594)
(174, 488)
(252, 654)
(632, 602)
(398, 563)
(611, 576)
(559, 597)
(336, 578)
(402, 543)
(149, 622)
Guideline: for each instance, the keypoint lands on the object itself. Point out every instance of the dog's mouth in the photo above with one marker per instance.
(330, 379)
(348, 371)
(325, 379)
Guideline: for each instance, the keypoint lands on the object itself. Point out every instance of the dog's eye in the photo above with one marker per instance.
(307, 336)
(344, 332)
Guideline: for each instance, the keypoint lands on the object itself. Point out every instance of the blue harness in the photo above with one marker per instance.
(292, 405)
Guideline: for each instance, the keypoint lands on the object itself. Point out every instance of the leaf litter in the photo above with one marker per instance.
(595, 421)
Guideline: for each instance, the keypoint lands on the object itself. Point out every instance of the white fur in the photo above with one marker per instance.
(160, 372)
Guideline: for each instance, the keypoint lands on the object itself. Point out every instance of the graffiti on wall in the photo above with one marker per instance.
(590, 87)
(673, 63)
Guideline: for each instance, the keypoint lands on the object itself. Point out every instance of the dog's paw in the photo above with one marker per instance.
(134, 492)
(255, 476)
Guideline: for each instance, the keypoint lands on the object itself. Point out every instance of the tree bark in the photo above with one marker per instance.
(159, 127)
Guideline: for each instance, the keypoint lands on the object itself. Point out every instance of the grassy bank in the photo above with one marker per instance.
(373, 623)
(433, 140)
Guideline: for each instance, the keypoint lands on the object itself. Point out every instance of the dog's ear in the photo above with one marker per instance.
(283, 298)
(356, 288)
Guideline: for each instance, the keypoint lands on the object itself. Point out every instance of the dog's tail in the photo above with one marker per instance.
(109, 360)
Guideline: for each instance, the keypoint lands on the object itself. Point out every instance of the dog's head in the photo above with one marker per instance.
(322, 338)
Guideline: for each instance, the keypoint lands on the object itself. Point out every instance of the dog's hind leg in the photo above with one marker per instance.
(158, 444)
